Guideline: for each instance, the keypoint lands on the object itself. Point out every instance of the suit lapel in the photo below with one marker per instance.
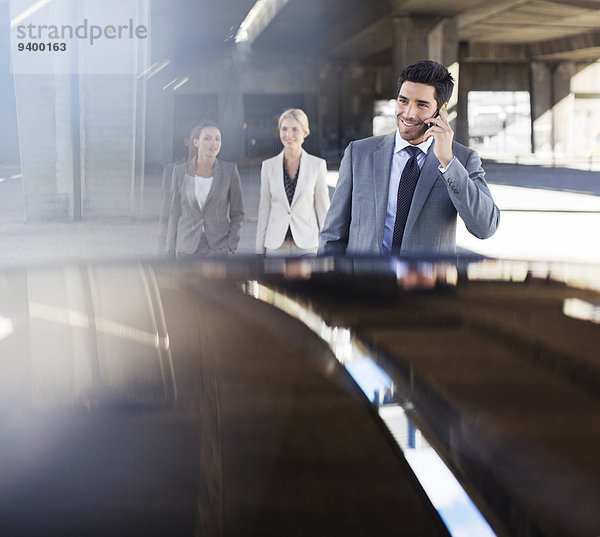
(190, 191)
(217, 182)
(277, 176)
(382, 166)
(302, 176)
(427, 178)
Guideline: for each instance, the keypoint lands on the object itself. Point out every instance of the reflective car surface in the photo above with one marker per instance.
(224, 397)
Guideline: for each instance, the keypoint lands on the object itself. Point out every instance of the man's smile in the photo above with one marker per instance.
(408, 123)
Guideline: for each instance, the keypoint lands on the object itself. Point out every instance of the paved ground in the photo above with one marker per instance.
(548, 213)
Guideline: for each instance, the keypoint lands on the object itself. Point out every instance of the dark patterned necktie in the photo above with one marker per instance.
(406, 190)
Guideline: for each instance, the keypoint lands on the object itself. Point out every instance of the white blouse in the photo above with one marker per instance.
(202, 188)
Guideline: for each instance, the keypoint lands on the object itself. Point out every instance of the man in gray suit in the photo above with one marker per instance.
(393, 199)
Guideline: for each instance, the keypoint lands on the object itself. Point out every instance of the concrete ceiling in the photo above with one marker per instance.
(358, 29)
(362, 29)
(196, 28)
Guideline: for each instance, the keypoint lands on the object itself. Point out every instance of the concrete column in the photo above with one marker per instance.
(108, 144)
(585, 85)
(110, 129)
(442, 42)
(424, 37)
(64, 140)
(541, 107)
(142, 58)
(410, 40)
(231, 120)
(231, 110)
(563, 105)
(44, 114)
(357, 102)
(159, 103)
(113, 110)
(442, 46)
(461, 123)
(43, 111)
(311, 107)
(331, 84)
(9, 139)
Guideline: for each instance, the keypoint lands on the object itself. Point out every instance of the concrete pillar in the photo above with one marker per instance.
(330, 93)
(442, 42)
(442, 46)
(461, 123)
(541, 107)
(563, 105)
(231, 109)
(45, 160)
(159, 102)
(108, 144)
(311, 107)
(113, 110)
(9, 144)
(95, 147)
(410, 40)
(420, 37)
(586, 115)
(231, 120)
(357, 102)
(64, 140)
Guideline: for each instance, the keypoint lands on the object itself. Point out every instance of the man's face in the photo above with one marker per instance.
(416, 102)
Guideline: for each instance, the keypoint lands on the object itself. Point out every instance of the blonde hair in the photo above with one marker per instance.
(297, 114)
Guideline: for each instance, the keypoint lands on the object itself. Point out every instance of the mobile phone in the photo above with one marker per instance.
(437, 113)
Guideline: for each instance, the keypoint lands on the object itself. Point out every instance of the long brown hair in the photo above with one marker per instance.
(195, 134)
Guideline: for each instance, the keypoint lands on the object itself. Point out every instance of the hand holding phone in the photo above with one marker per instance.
(437, 113)
(443, 135)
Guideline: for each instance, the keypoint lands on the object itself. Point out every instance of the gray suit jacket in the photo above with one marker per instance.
(222, 215)
(356, 218)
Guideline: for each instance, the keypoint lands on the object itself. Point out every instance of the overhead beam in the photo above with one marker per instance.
(493, 52)
(370, 40)
(580, 45)
(358, 28)
(585, 4)
(480, 14)
(258, 18)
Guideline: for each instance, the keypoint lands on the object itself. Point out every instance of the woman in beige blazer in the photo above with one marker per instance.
(293, 194)
(207, 208)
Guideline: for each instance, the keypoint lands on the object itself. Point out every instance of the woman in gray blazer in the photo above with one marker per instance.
(207, 208)
(294, 197)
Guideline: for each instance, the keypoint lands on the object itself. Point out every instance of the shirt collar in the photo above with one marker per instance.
(400, 143)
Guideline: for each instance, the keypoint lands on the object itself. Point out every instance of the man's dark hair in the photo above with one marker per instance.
(430, 73)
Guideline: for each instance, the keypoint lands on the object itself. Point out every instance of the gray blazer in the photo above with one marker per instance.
(221, 217)
(356, 218)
